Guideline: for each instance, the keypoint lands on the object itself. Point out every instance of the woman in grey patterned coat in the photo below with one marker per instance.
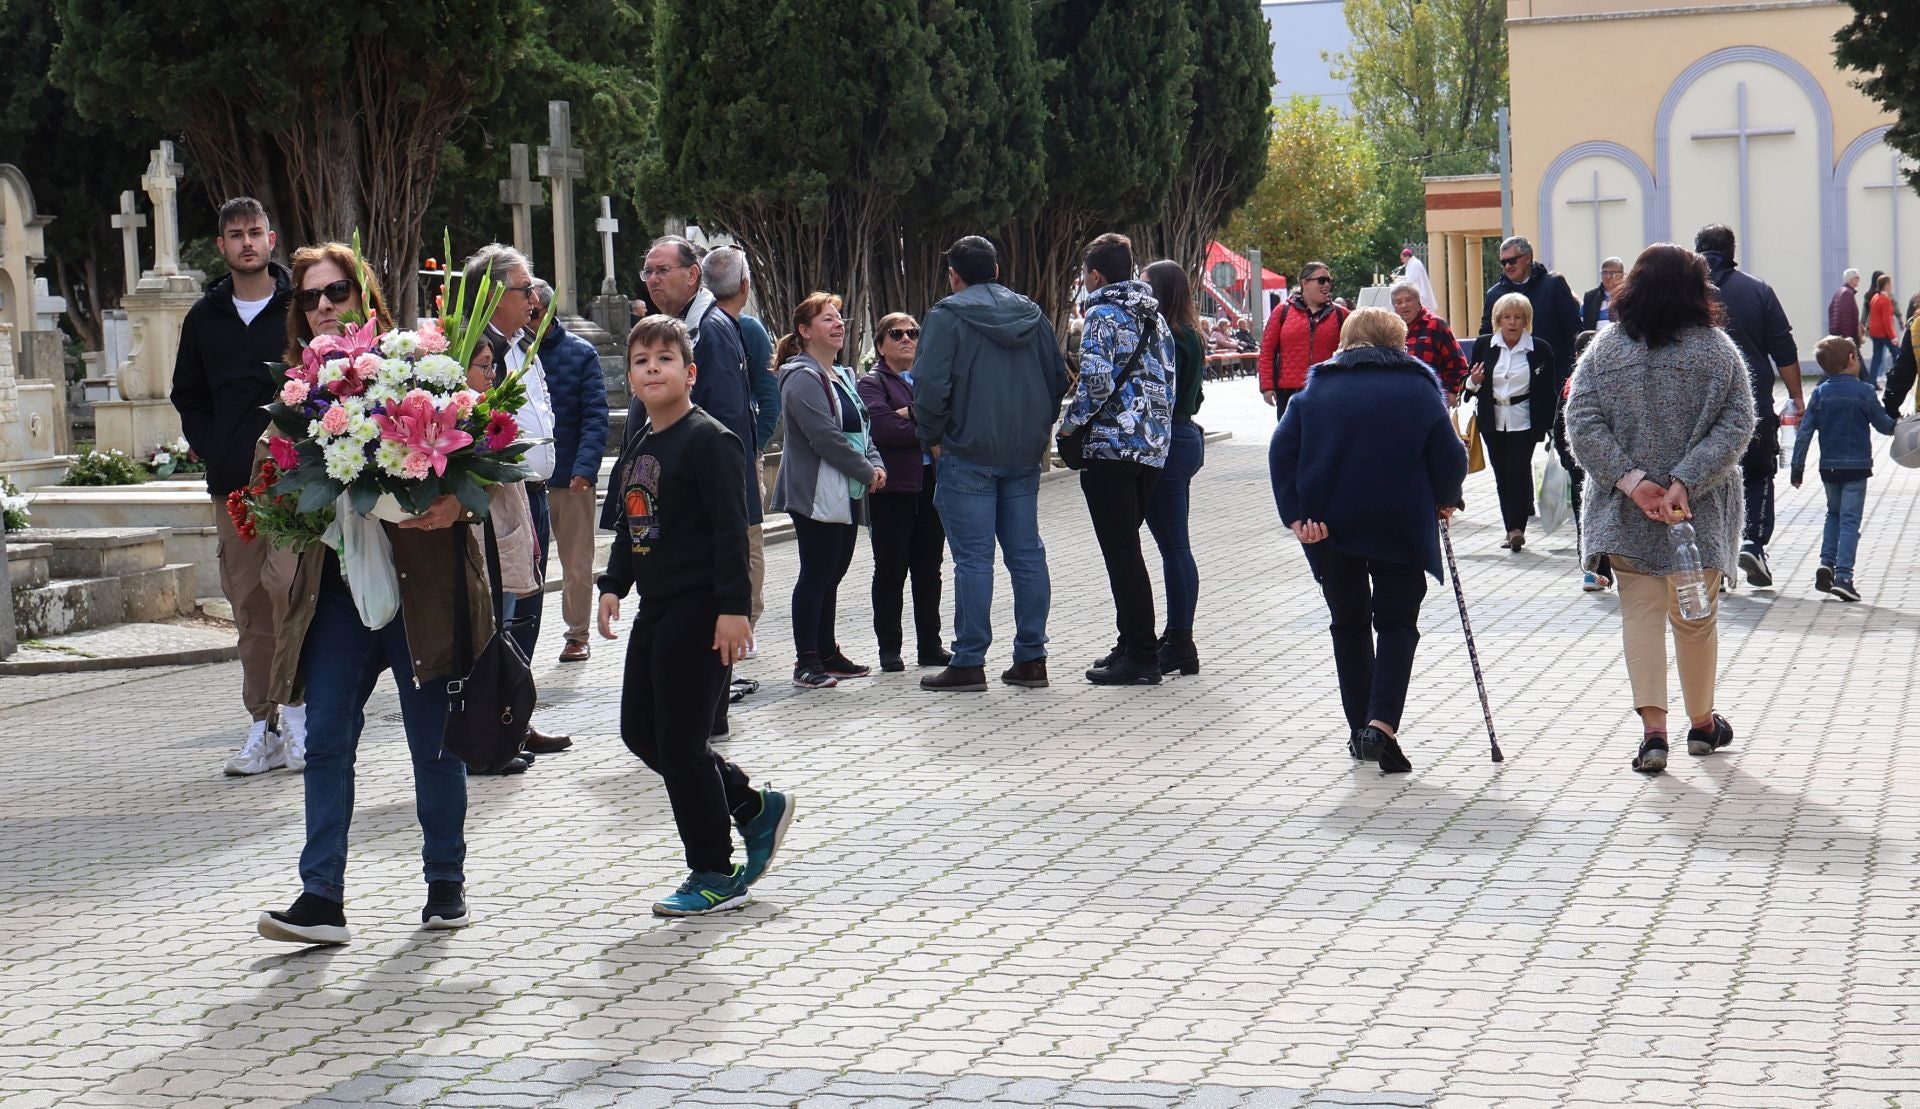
(1659, 415)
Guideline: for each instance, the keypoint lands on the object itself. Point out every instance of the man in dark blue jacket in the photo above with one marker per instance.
(1556, 314)
(1758, 326)
(579, 394)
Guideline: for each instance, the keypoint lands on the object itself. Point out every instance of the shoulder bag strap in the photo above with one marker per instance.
(462, 621)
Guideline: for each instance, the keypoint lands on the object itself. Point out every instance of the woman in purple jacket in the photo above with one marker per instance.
(907, 535)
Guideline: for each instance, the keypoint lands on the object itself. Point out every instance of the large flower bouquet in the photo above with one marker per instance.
(387, 420)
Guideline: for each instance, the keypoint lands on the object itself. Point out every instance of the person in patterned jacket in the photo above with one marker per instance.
(1128, 431)
(1430, 339)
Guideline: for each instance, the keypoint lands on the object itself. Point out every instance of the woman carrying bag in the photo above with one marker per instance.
(1518, 392)
(827, 467)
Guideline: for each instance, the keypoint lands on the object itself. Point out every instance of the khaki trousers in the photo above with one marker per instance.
(570, 513)
(254, 576)
(1648, 607)
(756, 571)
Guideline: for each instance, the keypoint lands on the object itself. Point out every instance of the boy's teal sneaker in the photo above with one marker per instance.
(764, 832)
(705, 891)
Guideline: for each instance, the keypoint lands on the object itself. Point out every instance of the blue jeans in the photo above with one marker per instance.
(979, 504)
(1846, 505)
(1167, 520)
(1884, 351)
(341, 662)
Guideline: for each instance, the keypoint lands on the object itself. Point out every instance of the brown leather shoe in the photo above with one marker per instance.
(540, 743)
(957, 679)
(1031, 674)
(576, 652)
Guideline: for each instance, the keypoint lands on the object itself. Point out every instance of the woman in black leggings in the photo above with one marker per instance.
(828, 465)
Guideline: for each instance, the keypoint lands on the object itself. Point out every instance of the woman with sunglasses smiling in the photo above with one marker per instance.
(326, 653)
(906, 532)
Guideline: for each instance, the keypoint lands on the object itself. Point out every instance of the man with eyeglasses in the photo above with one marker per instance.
(1556, 314)
(1596, 308)
(1302, 334)
(221, 386)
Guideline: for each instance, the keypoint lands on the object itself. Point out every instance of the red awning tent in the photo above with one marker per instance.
(1234, 295)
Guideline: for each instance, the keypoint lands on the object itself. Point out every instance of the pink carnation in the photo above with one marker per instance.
(432, 339)
(283, 452)
(416, 466)
(463, 401)
(294, 392)
(502, 430)
(335, 421)
(366, 364)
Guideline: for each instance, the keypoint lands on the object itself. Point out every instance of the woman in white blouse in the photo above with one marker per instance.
(1514, 379)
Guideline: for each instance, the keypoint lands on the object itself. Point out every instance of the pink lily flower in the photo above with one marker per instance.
(429, 432)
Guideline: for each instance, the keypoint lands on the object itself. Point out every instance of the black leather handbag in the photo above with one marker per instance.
(1072, 445)
(489, 709)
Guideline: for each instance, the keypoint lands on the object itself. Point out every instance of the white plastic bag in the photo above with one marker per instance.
(832, 500)
(1555, 490)
(366, 561)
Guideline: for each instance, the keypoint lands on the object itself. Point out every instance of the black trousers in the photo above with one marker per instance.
(1362, 591)
(1578, 478)
(1117, 494)
(1510, 457)
(908, 539)
(1280, 399)
(1757, 468)
(826, 550)
(666, 708)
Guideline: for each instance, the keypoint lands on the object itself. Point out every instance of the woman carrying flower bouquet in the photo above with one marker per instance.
(327, 651)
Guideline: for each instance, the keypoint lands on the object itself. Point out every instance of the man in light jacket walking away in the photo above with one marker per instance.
(987, 385)
(1124, 400)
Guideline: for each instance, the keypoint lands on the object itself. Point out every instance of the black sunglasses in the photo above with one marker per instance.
(1320, 279)
(337, 292)
(1505, 262)
(899, 333)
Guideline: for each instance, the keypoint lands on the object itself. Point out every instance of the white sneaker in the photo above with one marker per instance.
(293, 732)
(262, 752)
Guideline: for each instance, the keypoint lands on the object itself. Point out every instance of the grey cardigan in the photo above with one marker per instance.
(814, 436)
(1682, 411)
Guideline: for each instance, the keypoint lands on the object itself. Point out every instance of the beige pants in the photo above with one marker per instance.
(570, 514)
(757, 570)
(1648, 606)
(254, 576)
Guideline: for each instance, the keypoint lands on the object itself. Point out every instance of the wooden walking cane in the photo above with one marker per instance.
(1473, 653)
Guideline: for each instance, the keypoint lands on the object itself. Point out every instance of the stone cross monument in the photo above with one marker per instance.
(156, 307)
(162, 183)
(129, 222)
(561, 164)
(607, 226)
(523, 194)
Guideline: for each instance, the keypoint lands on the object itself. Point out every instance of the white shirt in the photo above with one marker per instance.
(1510, 378)
(535, 416)
(248, 309)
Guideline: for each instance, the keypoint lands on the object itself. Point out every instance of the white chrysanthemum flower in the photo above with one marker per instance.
(361, 428)
(399, 344)
(333, 371)
(345, 459)
(382, 392)
(391, 457)
(395, 372)
(315, 431)
(440, 370)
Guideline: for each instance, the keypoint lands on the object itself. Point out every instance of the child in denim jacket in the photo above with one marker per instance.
(1840, 411)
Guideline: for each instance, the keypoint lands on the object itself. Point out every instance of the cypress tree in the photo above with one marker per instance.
(1880, 41)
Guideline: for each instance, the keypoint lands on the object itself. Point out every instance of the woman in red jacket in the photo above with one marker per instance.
(1881, 327)
(1301, 334)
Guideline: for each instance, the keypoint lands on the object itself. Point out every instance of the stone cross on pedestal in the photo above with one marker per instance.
(1742, 133)
(129, 221)
(561, 165)
(524, 195)
(162, 183)
(607, 226)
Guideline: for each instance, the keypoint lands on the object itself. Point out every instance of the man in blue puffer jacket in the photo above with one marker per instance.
(579, 440)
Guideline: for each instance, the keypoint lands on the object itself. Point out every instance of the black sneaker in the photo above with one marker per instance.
(840, 666)
(810, 675)
(1127, 670)
(892, 663)
(1705, 741)
(1843, 589)
(446, 907)
(311, 919)
(1753, 563)
(1652, 757)
(1823, 580)
(1119, 652)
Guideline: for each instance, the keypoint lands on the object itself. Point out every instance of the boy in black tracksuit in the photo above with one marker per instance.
(681, 536)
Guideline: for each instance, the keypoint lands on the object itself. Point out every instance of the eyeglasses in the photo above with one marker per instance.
(1514, 260)
(1613, 273)
(899, 333)
(1319, 279)
(524, 290)
(652, 272)
(336, 291)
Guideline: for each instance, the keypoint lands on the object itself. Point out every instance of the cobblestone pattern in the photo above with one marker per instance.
(1076, 896)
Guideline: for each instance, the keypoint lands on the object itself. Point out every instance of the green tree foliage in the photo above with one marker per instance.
(75, 166)
(1225, 152)
(1119, 94)
(795, 132)
(1882, 41)
(990, 162)
(1426, 78)
(335, 125)
(1317, 201)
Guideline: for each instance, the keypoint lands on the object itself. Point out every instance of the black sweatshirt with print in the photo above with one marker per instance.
(682, 527)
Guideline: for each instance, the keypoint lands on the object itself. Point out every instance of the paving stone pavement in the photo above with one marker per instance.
(1078, 896)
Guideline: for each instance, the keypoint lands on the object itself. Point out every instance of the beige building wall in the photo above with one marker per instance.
(1589, 79)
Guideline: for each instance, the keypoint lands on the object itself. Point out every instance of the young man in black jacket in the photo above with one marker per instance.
(221, 383)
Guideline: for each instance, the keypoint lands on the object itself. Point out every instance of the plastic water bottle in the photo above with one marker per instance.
(1689, 577)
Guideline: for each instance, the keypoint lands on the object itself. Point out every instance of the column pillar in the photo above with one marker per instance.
(1476, 278)
(1457, 278)
(1437, 272)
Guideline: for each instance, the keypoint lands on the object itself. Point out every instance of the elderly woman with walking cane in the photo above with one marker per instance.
(1364, 463)
(1659, 417)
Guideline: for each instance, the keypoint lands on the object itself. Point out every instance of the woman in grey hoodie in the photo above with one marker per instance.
(1659, 416)
(827, 467)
